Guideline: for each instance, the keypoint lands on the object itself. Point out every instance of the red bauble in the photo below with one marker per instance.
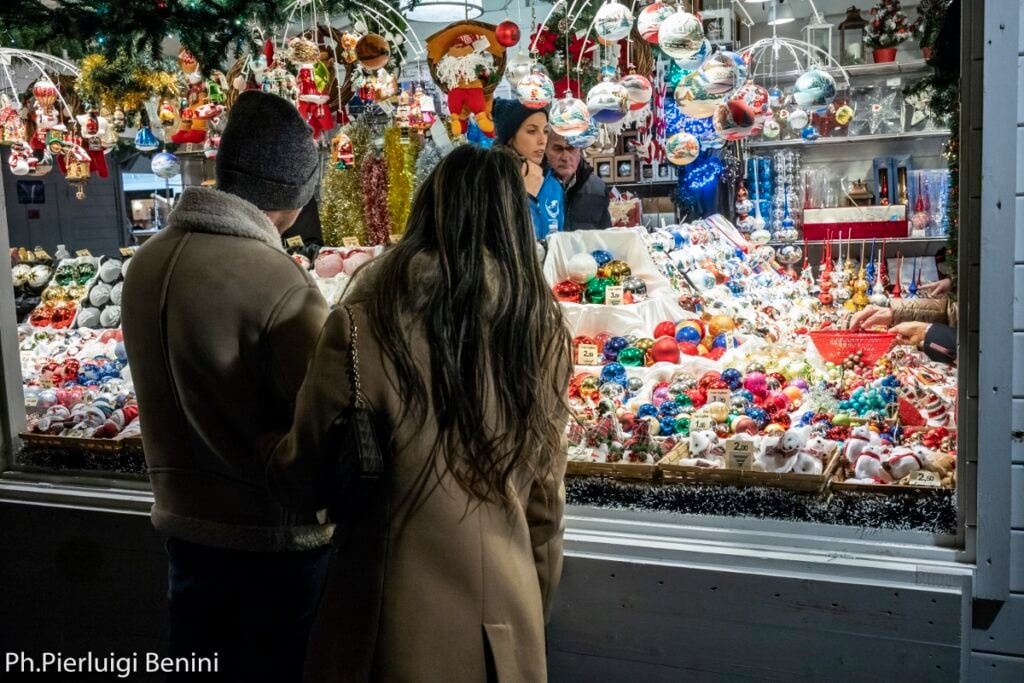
(745, 425)
(707, 378)
(697, 397)
(567, 290)
(666, 328)
(716, 353)
(507, 33)
(665, 350)
(688, 348)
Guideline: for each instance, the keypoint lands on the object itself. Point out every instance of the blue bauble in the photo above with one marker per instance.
(613, 372)
(668, 425)
(726, 340)
(601, 256)
(647, 410)
(120, 352)
(613, 346)
(670, 408)
(810, 133)
(688, 334)
(760, 416)
(806, 418)
(745, 394)
(733, 378)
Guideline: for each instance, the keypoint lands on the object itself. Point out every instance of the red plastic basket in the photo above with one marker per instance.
(836, 346)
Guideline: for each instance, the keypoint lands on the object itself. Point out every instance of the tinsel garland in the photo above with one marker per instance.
(401, 159)
(124, 81)
(341, 200)
(430, 156)
(374, 179)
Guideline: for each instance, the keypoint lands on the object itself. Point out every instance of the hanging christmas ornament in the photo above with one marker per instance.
(719, 74)
(844, 115)
(651, 19)
(372, 51)
(517, 69)
(797, 119)
(694, 99)
(507, 33)
(682, 149)
(810, 133)
(774, 97)
(771, 129)
(756, 97)
(145, 140)
(814, 90)
(681, 35)
(569, 116)
(612, 22)
(734, 120)
(693, 61)
(587, 138)
(639, 89)
(536, 90)
(165, 165)
(608, 102)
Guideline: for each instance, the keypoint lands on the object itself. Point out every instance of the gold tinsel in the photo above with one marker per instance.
(341, 197)
(401, 158)
(122, 83)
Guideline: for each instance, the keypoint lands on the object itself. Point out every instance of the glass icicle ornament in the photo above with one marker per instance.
(878, 296)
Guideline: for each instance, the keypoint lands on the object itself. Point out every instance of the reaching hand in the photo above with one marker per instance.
(938, 289)
(911, 333)
(871, 317)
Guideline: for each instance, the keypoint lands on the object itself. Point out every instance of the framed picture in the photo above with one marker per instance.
(628, 142)
(664, 172)
(646, 171)
(604, 167)
(625, 168)
(718, 26)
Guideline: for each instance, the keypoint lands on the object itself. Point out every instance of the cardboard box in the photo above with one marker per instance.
(856, 222)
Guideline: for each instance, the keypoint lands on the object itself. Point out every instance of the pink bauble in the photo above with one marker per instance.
(355, 260)
(661, 394)
(756, 383)
(328, 264)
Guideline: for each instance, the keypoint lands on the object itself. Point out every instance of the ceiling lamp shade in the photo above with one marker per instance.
(443, 11)
(781, 14)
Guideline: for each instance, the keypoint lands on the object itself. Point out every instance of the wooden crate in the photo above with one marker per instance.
(787, 480)
(75, 443)
(612, 470)
(681, 474)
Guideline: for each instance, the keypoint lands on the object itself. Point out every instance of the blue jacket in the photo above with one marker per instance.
(548, 208)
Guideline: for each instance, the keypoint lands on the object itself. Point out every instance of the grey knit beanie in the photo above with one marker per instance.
(267, 155)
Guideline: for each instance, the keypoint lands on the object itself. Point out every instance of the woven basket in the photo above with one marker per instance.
(835, 346)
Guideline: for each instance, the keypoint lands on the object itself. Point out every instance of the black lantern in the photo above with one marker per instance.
(851, 38)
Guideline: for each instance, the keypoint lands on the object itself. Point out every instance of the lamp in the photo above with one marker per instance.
(851, 38)
(442, 11)
(781, 14)
(817, 33)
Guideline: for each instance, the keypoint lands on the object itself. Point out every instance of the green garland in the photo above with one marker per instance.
(211, 29)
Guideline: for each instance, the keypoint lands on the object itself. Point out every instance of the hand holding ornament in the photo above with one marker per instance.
(871, 317)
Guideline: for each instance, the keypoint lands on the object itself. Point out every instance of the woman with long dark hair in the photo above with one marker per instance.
(447, 560)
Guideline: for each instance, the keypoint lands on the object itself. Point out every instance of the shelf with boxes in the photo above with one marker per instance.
(937, 134)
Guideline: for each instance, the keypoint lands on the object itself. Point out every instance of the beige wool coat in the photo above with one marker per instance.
(443, 588)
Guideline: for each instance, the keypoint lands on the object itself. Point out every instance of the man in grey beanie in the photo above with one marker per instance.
(219, 323)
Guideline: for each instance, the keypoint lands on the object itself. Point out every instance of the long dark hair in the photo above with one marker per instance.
(499, 347)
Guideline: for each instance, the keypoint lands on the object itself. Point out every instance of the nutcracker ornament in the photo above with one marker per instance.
(466, 60)
(191, 128)
(312, 85)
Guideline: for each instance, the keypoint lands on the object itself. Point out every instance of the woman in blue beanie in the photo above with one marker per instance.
(525, 132)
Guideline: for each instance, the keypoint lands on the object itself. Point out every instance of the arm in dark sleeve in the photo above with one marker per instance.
(940, 343)
(292, 331)
(606, 216)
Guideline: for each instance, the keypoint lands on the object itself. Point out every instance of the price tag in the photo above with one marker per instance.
(394, 238)
(719, 395)
(702, 423)
(924, 478)
(613, 296)
(739, 451)
(295, 241)
(350, 241)
(127, 252)
(894, 82)
(41, 254)
(586, 354)
(83, 252)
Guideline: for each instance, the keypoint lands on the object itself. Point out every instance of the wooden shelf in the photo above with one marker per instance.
(938, 134)
(899, 241)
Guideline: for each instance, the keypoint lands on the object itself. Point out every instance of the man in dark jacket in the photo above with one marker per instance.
(586, 195)
(219, 323)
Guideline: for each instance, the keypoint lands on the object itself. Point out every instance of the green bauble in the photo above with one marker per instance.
(684, 400)
(595, 289)
(683, 426)
(632, 356)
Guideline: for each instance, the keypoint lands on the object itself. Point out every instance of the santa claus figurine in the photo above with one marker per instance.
(94, 129)
(464, 69)
(312, 100)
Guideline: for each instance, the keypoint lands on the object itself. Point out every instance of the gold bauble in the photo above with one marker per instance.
(372, 51)
(719, 324)
(718, 411)
(617, 270)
